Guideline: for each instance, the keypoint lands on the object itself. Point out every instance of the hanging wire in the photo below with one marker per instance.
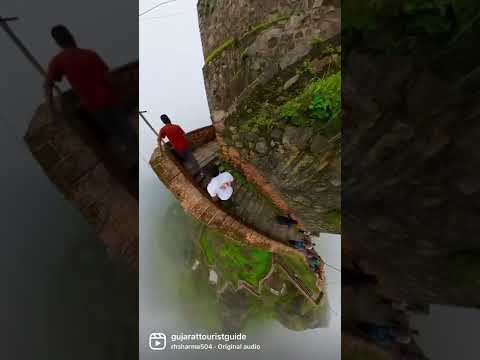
(156, 6)
(164, 17)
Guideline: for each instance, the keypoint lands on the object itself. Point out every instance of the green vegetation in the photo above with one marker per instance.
(244, 54)
(319, 104)
(306, 68)
(234, 260)
(334, 218)
(233, 42)
(264, 26)
(325, 46)
(297, 265)
(207, 249)
(250, 265)
(316, 105)
(263, 121)
(219, 50)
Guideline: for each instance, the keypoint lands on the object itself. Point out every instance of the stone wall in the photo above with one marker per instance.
(259, 38)
(304, 168)
(83, 177)
(256, 54)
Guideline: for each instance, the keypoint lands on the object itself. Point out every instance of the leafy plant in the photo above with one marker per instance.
(319, 103)
(264, 26)
(326, 98)
(325, 46)
(262, 121)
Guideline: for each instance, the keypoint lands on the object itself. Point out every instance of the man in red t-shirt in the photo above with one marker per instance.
(179, 142)
(88, 76)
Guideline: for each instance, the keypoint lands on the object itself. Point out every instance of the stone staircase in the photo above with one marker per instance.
(254, 210)
(249, 207)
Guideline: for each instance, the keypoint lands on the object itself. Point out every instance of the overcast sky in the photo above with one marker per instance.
(171, 61)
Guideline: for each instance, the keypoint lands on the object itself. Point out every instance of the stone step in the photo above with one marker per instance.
(243, 204)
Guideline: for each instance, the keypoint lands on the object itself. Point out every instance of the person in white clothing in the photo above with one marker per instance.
(221, 186)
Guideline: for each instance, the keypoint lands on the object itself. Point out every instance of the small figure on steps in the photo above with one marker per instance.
(221, 186)
(286, 220)
(300, 245)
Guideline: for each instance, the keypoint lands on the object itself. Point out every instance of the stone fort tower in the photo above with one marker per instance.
(259, 56)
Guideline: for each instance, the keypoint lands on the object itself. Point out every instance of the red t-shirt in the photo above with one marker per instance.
(176, 135)
(87, 74)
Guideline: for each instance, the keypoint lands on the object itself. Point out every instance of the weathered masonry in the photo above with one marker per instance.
(262, 58)
(71, 151)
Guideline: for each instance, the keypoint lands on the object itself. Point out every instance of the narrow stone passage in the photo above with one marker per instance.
(247, 205)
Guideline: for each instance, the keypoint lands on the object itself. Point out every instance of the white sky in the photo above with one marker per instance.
(171, 61)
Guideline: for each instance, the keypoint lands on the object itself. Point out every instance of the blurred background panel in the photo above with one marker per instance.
(63, 297)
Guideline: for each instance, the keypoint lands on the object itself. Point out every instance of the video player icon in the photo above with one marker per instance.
(157, 341)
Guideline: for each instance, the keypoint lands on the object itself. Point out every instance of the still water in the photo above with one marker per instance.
(168, 305)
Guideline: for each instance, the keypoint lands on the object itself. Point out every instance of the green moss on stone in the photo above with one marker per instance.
(235, 261)
(264, 26)
(306, 68)
(334, 218)
(232, 42)
(219, 50)
(323, 45)
(244, 54)
(263, 121)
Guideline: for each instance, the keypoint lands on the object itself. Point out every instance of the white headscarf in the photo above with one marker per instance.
(214, 187)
